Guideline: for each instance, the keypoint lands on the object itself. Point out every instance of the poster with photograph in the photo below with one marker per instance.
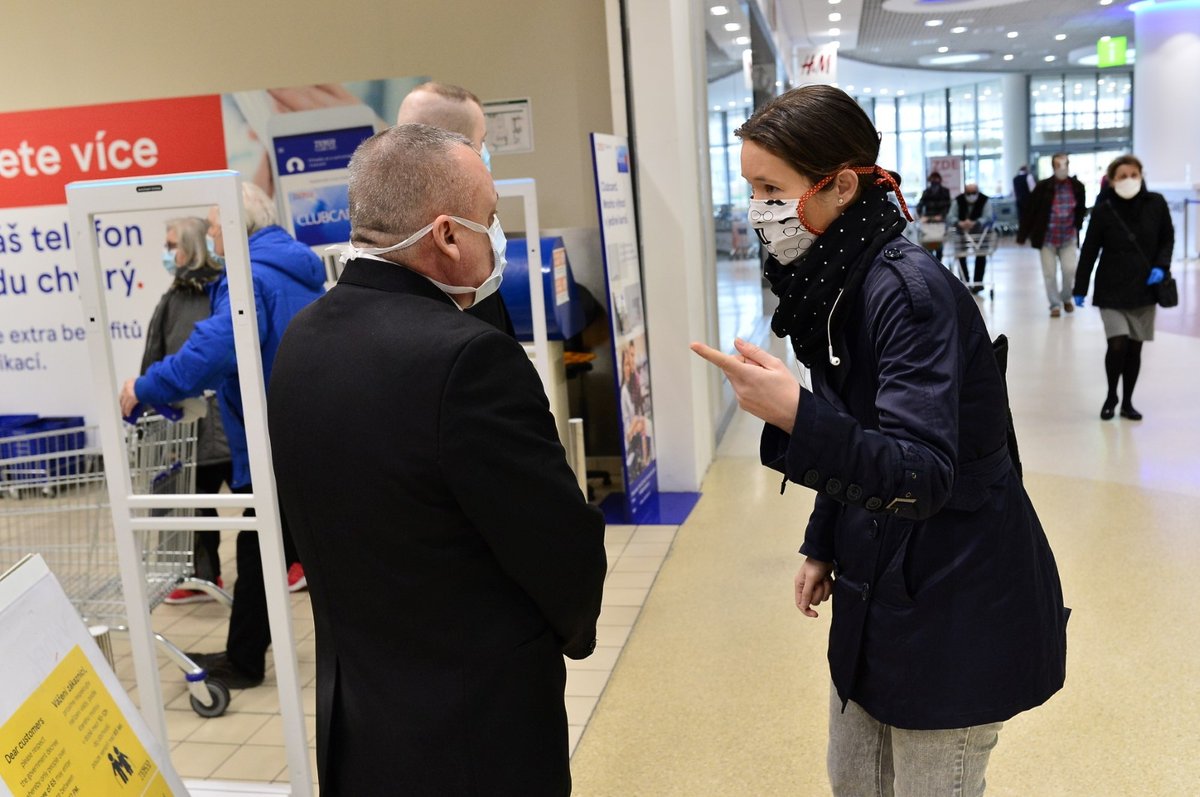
(294, 142)
(618, 235)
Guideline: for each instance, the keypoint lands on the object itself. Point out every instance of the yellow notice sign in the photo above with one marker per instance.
(70, 738)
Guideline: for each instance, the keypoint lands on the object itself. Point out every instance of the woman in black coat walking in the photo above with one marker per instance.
(948, 616)
(1131, 231)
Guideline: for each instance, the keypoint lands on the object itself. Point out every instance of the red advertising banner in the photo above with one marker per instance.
(42, 151)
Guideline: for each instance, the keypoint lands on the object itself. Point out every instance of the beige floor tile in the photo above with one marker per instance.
(200, 759)
(181, 724)
(618, 615)
(618, 596)
(236, 728)
(253, 763)
(574, 733)
(654, 534)
(579, 709)
(602, 658)
(586, 683)
(638, 564)
(612, 635)
(618, 534)
(629, 581)
(271, 733)
(647, 549)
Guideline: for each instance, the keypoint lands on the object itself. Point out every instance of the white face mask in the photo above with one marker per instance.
(777, 222)
(1128, 188)
(486, 289)
(1061, 172)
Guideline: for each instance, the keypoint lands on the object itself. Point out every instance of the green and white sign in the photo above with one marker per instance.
(1111, 51)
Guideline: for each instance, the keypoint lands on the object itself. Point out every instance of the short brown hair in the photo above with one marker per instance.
(817, 129)
(1058, 155)
(449, 91)
(1124, 160)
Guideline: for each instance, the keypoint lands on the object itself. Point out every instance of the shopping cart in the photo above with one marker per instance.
(981, 242)
(55, 502)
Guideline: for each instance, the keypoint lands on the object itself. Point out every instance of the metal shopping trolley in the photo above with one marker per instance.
(55, 502)
(981, 242)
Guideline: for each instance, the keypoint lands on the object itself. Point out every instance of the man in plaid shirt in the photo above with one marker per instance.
(1056, 210)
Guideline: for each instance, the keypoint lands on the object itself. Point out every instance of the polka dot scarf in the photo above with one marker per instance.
(816, 292)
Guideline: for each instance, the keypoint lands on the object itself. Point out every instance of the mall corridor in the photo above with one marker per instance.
(722, 688)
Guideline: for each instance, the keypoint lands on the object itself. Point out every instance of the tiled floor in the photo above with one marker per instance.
(246, 744)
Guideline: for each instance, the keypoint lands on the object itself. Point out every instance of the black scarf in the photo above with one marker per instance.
(193, 279)
(810, 310)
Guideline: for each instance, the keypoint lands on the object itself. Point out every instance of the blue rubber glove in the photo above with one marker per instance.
(1156, 276)
(1078, 301)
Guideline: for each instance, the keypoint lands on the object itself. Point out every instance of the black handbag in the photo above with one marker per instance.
(1166, 292)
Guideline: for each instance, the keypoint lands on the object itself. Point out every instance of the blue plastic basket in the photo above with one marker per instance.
(18, 441)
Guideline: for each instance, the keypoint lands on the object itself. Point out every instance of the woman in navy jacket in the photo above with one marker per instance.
(948, 616)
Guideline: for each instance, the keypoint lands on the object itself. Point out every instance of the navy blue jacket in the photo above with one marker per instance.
(287, 276)
(947, 607)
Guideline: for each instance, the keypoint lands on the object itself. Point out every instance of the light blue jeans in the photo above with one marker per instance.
(1052, 258)
(870, 759)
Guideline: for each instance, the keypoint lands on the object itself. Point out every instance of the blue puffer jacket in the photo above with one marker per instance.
(287, 276)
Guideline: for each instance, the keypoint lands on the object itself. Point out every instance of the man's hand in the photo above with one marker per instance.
(813, 585)
(762, 383)
(129, 399)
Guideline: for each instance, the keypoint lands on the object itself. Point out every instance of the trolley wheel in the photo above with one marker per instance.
(219, 693)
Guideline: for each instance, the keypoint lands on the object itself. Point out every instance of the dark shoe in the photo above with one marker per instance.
(222, 669)
(1069, 306)
(1107, 411)
(976, 289)
(1127, 411)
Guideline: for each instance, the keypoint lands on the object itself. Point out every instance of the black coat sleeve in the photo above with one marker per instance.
(1089, 252)
(499, 451)
(1165, 240)
(907, 464)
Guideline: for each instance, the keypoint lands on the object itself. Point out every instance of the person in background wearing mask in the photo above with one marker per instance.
(933, 207)
(1023, 185)
(457, 561)
(286, 276)
(1133, 235)
(1056, 210)
(453, 108)
(947, 609)
(970, 214)
(189, 258)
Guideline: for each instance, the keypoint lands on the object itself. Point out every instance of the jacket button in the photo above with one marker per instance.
(854, 493)
(811, 478)
(893, 254)
(833, 486)
(866, 591)
(874, 503)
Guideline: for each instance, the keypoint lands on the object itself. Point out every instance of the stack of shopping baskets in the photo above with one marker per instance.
(54, 501)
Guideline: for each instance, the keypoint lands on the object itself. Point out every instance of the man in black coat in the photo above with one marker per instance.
(450, 555)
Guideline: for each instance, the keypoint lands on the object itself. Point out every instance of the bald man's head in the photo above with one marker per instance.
(446, 107)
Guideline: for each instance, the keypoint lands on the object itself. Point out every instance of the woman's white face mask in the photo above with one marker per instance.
(489, 286)
(1128, 188)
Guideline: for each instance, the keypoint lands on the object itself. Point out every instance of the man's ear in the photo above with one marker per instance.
(445, 238)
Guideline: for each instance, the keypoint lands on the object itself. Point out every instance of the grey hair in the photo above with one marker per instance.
(259, 208)
(191, 231)
(401, 179)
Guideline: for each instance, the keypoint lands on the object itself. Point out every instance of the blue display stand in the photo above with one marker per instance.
(563, 321)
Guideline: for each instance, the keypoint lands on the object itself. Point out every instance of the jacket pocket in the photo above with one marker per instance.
(893, 587)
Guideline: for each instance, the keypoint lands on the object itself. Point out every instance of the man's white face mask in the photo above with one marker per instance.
(489, 286)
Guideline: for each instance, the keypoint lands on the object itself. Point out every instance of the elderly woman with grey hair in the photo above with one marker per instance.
(189, 259)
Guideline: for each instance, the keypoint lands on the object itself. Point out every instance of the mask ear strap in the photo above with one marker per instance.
(808, 195)
(885, 178)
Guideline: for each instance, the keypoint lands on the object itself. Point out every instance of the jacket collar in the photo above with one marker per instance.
(391, 277)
